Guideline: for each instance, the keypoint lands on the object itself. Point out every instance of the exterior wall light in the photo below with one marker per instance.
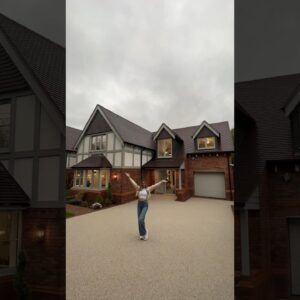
(115, 177)
(40, 234)
(287, 177)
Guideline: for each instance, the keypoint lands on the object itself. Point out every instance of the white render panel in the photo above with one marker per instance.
(71, 160)
(118, 145)
(80, 148)
(110, 157)
(128, 159)
(144, 159)
(25, 118)
(48, 187)
(86, 144)
(5, 163)
(49, 132)
(79, 158)
(110, 141)
(137, 160)
(118, 159)
(85, 156)
(23, 174)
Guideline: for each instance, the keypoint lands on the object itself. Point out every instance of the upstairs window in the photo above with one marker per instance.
(98, 142)
(206, 143)
(4, 124)
(164, 148)
(296, 129)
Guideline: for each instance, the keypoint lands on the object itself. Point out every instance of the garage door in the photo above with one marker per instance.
(209, 184)
(294, 229)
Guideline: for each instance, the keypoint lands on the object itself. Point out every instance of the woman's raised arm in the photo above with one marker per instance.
(136, 186)
(154, 186)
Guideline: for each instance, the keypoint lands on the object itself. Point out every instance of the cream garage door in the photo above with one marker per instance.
(209, 184)
(294, 229)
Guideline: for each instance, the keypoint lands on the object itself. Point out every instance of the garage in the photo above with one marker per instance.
(209, 184)
(294, 230)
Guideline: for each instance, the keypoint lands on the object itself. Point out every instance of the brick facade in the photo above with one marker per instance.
(209, 162)
(47, 257)
(269, 238)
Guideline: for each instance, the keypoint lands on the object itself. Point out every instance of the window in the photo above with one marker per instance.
(296, 129)
(8, 240)
(4, 124)
(98, 142)
(92, 178)
(207, 143)
(165, 148)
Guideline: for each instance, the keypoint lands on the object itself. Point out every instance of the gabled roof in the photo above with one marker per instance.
(11, 194)
(205, 124)
(94, 161)
(162, 127)
(72, 135)
(263, 100)
(41, 62)
(292, 103)
(127, 131)
(226, 142)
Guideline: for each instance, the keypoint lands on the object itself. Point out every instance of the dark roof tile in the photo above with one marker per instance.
(44, 58)
(93, 162)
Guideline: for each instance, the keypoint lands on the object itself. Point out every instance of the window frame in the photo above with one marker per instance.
(11, 269)
(205, 138)
(158, 146)
(83, 178)
(99, 141)
(7, 149)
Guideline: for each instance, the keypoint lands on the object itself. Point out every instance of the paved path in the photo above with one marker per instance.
(189, 254)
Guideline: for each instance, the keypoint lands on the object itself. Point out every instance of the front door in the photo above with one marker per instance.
(294, 230)
(168, 187)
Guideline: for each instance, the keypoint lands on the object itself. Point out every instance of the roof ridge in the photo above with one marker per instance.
(268, 78)
(215, 123)
(124, 118)
(27, 28)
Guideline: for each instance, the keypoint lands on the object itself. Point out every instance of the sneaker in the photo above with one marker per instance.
(146, 236)
(141, 237)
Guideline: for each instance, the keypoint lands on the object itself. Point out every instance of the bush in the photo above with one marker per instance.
(22, 289)
(99, 199)
(109, 198)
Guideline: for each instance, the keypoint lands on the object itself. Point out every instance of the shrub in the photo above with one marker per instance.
(21, 286)
(109, 198)
(99, 199)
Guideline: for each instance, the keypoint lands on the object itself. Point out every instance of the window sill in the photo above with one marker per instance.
(164, 156)
(7, 271)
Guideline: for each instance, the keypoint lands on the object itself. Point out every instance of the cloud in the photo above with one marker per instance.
(150, 61)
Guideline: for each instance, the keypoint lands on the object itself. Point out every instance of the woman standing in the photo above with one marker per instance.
(143, 193)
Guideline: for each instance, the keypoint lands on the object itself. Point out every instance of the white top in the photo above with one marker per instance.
(145, 193)
(142, 195)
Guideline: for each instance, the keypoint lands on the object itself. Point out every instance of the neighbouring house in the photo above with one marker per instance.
(32, 160)
(72, 135)
(267, 214)
(196, 160)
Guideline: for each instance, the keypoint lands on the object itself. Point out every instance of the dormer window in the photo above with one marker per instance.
(4, 125)
(296, 129)
(164, 148)
(206, 143)
(98, 142)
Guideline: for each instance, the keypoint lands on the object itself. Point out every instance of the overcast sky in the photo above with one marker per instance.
(150, 61)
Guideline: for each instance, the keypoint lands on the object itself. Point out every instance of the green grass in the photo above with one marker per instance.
(69, 214)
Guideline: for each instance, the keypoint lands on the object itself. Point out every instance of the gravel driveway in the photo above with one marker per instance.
(189, 254)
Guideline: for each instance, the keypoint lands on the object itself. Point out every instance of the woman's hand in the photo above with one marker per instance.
(127, 174)
(164, 180)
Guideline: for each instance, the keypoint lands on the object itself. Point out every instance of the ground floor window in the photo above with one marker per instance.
(9, 228)
(92, 178)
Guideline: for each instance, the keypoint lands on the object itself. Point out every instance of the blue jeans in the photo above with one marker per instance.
(142, 208)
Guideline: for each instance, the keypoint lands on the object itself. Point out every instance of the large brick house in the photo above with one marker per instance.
(32, 161)
(196, 159)
(267, 160)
